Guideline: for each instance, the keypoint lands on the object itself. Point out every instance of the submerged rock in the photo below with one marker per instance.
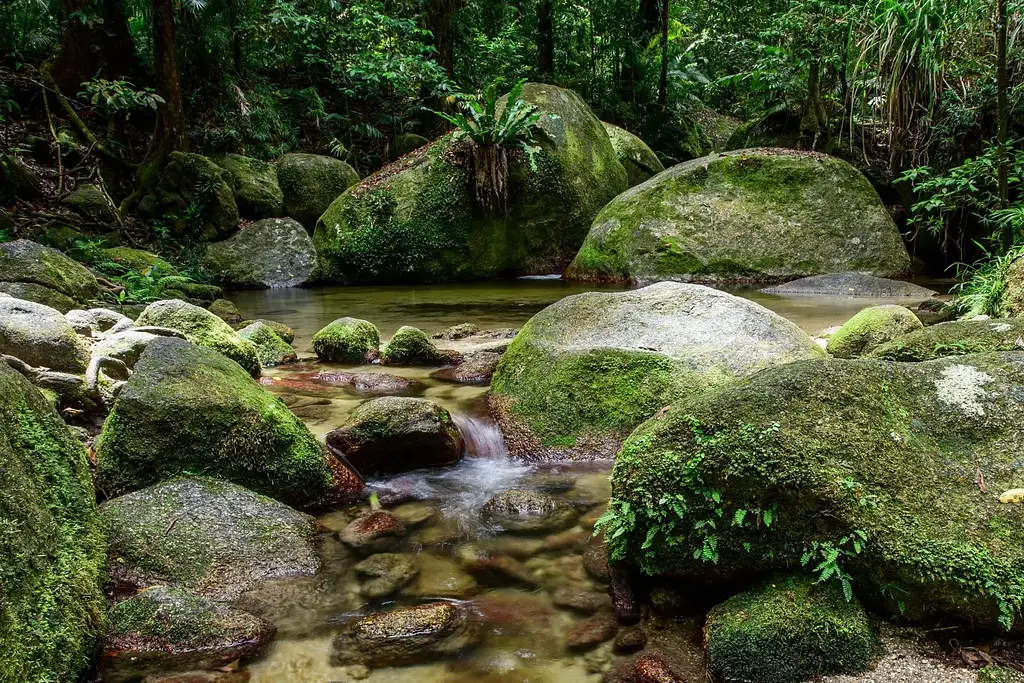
(270, 348)
(407, 635)
(310, 182)
(854, 285)
(586, 370)
(368, 382)
(348, 340)
(648, 667)
(754, 215)
(384, 574)
(394, 434)
(213, 538)
(254, 182)
(589, 633)
(871, 328)
(955, 338)
(52, 549)
(30, 270)
(635, 156)
(411, 346)
(477, 367)
(203, 329)
(271, 253)
(456, 332)
(40, 336)
(524, 511)
(376, 532)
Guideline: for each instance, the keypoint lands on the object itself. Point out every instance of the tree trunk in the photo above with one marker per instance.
(440, 16)
(813, 122)
(101, 47)
(1002, 86)
(171, 129)
(545, 38)
(663, 81)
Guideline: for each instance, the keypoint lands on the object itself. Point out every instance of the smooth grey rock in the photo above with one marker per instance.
(852, 284)
(271, 253)
(40, 336)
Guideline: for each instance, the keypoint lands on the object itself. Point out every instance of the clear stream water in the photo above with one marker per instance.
(525, 630)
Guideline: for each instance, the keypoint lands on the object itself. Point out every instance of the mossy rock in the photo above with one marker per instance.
(203, 328)
(226, 311)
(193, 196)
(678, 131)
(212, 538)
(190, 410)
(255, 185)
(752, 215)
(412, 346)
(871, 328)
(30, 291)
(164, 630)
(188, 289)
(415, 221)
(52, 546)
(788, 630)
(405, 143)
(89, 202)
(585, 371)
(854, 285)
(635, 156)
(955, 338)
(27, 262)
(275, 252)
(999, 674)
(1012, 304)
(59, 235)
(819, 455)
(17, 179)
(310, 182)
(140, 261)
(347, 340)
(41, 336)
(270, 347)
(283, 331)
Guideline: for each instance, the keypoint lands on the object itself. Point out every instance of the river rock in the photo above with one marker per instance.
(254, 183)
(376, 532)
(955, 338)
(188, 409)
(368, 382)
(589, 633)
(789, 629)
(871, 328)
(384, 574)
(415, 220)
(52, 549)
(899, 454)
(585, 371)
(227, 311)
(140, 261)
(270, 253)
(529, 512)
(30, 291)
(861, 285)
(648, 667)
(125, 346)
(348, 340)
(581, 599)
(192, 180)
(752, 215)
(595, 559)
(477, 367)
(30, 270)
(203, 329)
(407, 635)
(456, 332)
(270, 348)
(283, 331)
(98, 323)
(411, 346)
(310, 182)
(633, 153)
(40, 336)
(394, 434)
(208, 536)
(162, 630)
(498, 570)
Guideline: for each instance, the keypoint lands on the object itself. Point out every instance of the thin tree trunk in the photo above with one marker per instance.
(545, 38)
(101, 47)
(440, 20)
(173, 135)
(1002, 86)
(812, 123)
(663, 81)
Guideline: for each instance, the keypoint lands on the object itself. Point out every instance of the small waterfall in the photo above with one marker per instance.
(482, 435)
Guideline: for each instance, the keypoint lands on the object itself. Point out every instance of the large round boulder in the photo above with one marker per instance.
(274, 252)
(411, 346)
(270, 347)
(190, 410)
(415, 220)
(32, 271)
(872, 327)
(210, 537)
(310, 182)
(52, 547)
(585, 371)
(954, 338)
(752, 215)
(347, 340)
(193, 196)
(40, 336)
(636, 157)
(886, 475)
(394, 434)
(255, 185)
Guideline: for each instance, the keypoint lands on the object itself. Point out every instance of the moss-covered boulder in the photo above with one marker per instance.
(394, 434)
(1012, 304)
(40, 336)
(89, 202)
(753, 215)
(412, 346)
(310, 182)
(165, 630)
(52, 548)
(347, 340)
(871, 328)
(585, 371)
(415, 220)
(889, 473)
(140, 261)
(210, 537)
(17, 179)
(226, 310)
(955, 338)
(30, 291)
(636, 157)
(193, 196)
(30, 266)
(255, 185)
(283, 331)
(188, 409)
(405, 143)
(270, 347)
(274, 252)
(203, 329)
(788, 630)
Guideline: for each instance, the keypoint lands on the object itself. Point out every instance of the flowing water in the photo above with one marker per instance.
(525, 630)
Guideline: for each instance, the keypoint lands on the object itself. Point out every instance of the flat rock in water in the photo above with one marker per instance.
(368, 382)
(852, 284)
(524, 511)
(385, 573)
(376, 532)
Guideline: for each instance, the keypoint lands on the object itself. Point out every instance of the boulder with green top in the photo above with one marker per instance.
(412, 346)
(40, 336)
(310, 182)
(30, 291)
(164, 630)
(892, 470)
(142, 262)
(752, 215)
(210, 537)
(1012, 303)
(227, 311)
(270, 347)
(188, 409)
(636, 157)
(871, 328)
(52, 547)
(255, 185)
(203, 328)
(29, 268)
(348, 340)
(405, 143)
(585, 371)
(89, 202)
(789, 630)
(274, 252)
(283, 331)
(954, 338)
(415, 221)
(193, 197)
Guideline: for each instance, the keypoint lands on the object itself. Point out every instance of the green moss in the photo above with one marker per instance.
(310, 182)
(871, 328)
(347, 340)
(1012, 303)
(255, 185)
(140, 261)
(27, 262)
(787, 631)
(270, 347)
(411, 346)
(203, 329)
(954, 338)
(998, 674)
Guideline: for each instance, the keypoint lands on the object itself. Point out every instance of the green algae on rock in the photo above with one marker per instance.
(585, 371)
(414, 221)
(635, 156)
(871, 328)
(190, 410)
(788, 630)
(348, 340)
(752, 215)
(270, 347)
(955, 338)
(310, 182)
(142, 262)
(412, 346)
(811, 456)
(255, 185)
(28, 263)
(52, 547)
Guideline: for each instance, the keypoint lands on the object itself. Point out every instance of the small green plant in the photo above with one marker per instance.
(829, 557)
(982, 285)
(119, 97)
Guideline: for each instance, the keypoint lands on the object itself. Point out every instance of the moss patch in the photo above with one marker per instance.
(203, 328)
(870, 328)
(955, 338)
(347, 340)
